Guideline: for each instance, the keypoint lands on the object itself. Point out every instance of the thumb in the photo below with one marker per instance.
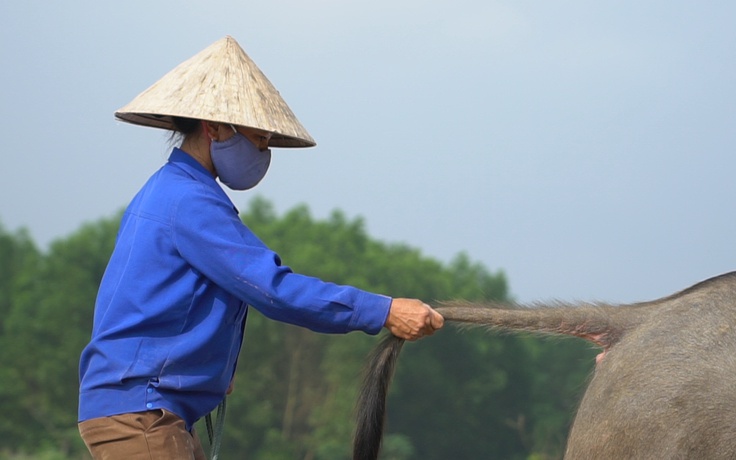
(436, 320)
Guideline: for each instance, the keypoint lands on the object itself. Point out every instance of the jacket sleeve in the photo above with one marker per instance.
(209, 234)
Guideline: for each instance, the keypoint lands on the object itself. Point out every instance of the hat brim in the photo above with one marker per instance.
(153, 120)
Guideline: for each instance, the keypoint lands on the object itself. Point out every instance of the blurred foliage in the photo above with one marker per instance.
(469, 394)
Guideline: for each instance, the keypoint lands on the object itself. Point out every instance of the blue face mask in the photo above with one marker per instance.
(239, 163)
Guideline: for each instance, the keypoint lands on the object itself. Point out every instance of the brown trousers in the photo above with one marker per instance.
(151, 435)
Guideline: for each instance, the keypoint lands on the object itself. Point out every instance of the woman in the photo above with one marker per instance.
(170, 312)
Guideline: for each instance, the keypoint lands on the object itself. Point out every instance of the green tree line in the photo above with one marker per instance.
(459, 394)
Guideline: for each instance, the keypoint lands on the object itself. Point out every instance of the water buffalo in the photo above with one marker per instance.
(661, 388)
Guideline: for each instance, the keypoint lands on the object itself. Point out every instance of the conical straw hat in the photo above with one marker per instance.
(221, 84)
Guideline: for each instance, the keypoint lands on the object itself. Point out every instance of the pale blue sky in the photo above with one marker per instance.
(585, 148)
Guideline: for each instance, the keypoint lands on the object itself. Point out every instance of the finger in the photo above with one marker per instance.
(437, 320)
(433, 322)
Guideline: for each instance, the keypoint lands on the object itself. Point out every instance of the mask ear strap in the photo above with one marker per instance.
(206, 132)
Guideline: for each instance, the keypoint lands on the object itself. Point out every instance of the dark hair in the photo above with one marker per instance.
(183, 127)
(371, 407)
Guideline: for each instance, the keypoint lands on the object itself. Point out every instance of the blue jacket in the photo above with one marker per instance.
(171, 308)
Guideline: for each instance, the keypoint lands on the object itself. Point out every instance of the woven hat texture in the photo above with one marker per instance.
(222, 84)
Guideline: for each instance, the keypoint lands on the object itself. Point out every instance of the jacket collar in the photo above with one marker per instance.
(194, 168)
